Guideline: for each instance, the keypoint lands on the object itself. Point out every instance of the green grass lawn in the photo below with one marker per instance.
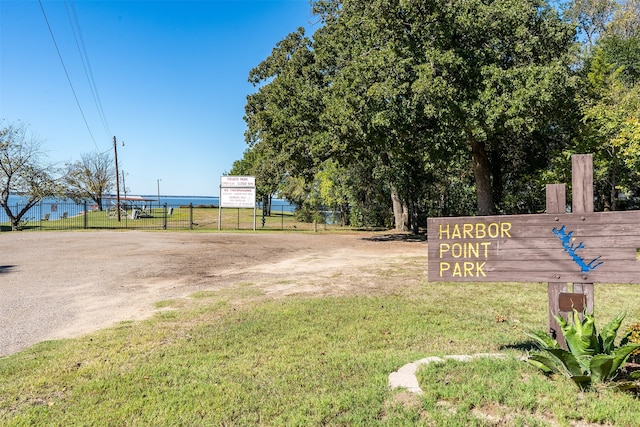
(236, 357)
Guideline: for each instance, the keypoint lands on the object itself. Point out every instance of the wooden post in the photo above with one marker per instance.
(563, 297)
(582, 202)
(582, 180)
(581, 295)
(556, 198)
(556, 203)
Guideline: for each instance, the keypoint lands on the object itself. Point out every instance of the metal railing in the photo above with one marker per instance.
(74, 216)
(69, 215)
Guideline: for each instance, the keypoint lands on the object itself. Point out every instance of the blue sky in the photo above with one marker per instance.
(170, 77)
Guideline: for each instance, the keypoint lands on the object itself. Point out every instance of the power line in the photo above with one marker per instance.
(67, 74)
(86, 64)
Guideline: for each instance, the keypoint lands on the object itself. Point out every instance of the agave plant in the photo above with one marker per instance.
(592, 358)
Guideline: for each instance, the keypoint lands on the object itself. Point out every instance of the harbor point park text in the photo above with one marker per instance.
(601, 247)
(469, 249)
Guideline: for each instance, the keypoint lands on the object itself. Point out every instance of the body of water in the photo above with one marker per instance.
(56, 208)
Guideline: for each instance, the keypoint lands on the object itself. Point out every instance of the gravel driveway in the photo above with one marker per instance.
(63, 284)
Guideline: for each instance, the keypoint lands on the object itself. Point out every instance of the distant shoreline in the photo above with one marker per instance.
(56, 207)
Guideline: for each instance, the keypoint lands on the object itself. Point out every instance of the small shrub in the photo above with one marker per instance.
(632, 336)
(592, 358)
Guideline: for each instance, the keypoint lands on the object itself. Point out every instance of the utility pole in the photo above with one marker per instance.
(115, 153)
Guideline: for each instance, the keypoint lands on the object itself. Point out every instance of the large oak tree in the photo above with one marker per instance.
(411, 93)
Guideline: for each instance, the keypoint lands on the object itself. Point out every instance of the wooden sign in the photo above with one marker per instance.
(601, 247)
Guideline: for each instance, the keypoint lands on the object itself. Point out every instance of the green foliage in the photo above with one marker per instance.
(632, 336)
(611, 121)
(498, 80)
(400, 96)
(625, 54)
(254, 163)
(592, 358)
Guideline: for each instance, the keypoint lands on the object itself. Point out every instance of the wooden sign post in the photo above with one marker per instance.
(563, 297)
(580, 248)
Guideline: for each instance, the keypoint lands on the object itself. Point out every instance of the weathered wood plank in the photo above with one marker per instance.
(556, 195)
(527, 250)
(466, 271)
(582, 203)
(617, 218)
(542, 242)
(598, 247)
(582, 183)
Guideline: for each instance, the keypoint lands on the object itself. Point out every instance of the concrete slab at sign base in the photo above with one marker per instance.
(405, 377)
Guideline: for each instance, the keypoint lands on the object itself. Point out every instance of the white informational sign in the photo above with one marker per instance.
(237, 192)
(236, 197)
(237, 181)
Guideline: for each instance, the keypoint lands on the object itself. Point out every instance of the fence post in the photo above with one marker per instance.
(190, 216)
(164, 217)
(86, 216)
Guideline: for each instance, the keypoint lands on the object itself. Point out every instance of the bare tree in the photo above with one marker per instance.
(592, 17)
(23, 171)
(91, 177)
(626, 20)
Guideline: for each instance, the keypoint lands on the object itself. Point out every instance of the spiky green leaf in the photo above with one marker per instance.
(609, 333)
(582, 381)
(602, 368)
(542, 366)
(542, 339)
(621, 354)
(581, 336)
(559, 361)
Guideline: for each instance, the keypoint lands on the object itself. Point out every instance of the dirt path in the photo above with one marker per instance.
(64, 284)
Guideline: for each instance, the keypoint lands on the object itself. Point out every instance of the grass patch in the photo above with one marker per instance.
(169, 303)
(203, 294)
(311, 361)
(485, 391)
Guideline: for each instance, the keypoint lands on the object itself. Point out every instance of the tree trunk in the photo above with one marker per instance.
(266, 205)
(497, 185)
(344, 215)
(13, 219)
(482, 173)
(400, 212)
(613, 193)
(415, 226)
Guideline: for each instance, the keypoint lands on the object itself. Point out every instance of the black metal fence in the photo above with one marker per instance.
(70, 216)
